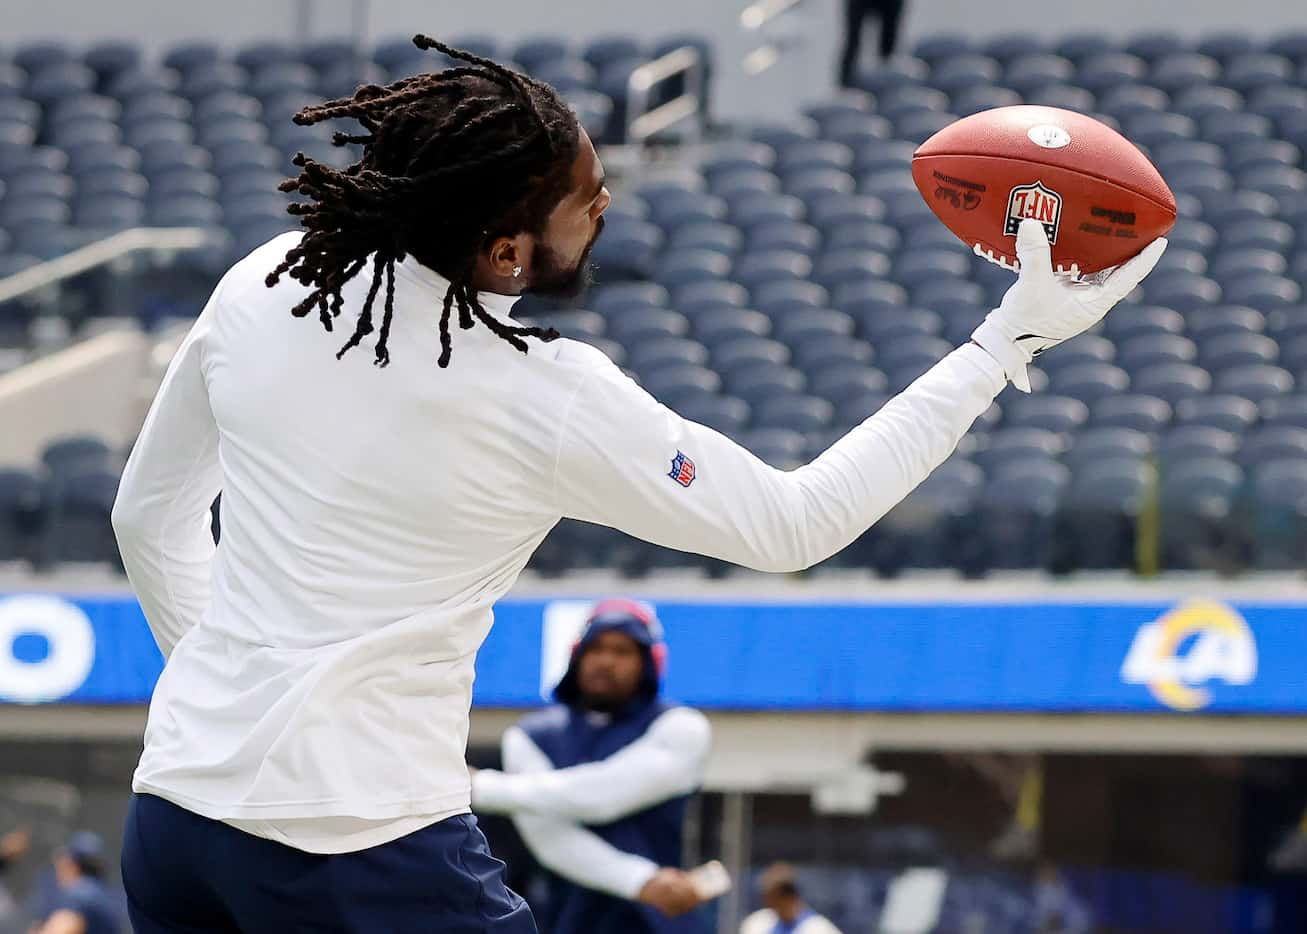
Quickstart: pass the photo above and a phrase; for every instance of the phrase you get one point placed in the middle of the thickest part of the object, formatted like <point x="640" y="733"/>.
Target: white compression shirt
<point x="551" y="806"/>
<point x="319" y="663"/>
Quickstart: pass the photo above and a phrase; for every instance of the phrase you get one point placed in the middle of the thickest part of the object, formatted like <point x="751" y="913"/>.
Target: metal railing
<point x="643" y="122"/>
<point x="102" y="252"/>
<point x="757" y="18"/>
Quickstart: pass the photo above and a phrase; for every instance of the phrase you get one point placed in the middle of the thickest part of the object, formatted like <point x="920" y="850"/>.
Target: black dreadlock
<point x="451" y="161"/>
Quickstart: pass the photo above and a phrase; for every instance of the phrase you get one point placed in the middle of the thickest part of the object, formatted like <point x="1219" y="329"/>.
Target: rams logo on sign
<point x="1190" y="646"/>
<point x="1036" y="202"/>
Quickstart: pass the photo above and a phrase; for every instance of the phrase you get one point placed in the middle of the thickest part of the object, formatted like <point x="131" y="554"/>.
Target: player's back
<point x="370" y="519"/>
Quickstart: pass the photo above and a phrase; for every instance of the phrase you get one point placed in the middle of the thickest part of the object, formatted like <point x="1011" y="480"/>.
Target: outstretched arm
<point x="667" y="761"/>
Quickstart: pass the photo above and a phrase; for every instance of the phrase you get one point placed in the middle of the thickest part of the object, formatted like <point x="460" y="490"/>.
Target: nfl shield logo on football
<point x="682" y="469"/>
<point x="1037" y="202"/>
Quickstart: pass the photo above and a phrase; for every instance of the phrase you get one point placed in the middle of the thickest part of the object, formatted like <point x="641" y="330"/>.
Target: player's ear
<point x="509" y="256"/>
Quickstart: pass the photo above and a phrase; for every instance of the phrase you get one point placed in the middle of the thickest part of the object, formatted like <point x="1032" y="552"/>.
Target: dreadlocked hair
<point x="451" y="160"/>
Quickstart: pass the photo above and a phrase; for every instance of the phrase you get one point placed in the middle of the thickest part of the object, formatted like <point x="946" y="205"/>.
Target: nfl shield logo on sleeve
<point x="682" y="469"/>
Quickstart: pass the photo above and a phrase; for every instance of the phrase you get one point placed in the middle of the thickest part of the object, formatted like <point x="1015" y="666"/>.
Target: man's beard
<point x="551" y="279"/>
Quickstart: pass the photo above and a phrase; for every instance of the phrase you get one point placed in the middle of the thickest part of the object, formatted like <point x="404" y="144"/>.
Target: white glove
<point x="1043" y="309"/>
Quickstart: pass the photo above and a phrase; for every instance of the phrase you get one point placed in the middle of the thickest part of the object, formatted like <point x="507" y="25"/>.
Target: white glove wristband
<point x="994" y="340"/>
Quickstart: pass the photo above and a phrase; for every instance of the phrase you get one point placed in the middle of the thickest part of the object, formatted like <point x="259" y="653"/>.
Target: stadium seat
<point x="1258" y="382"/>
<point x="757" y="382"/>
<point x="1107" y="444"/>
<point x="1096" y="521"/>
<point x="80" y="529"/>
<point x="1088" y="348"/>
<point x="757" y="268"/>
<point x="1228" y="413"/>
<point x="1274" y="442"/>
<point x="819" y="351"/>
<point x="1007" y="445"/>
<point x="1275" y="515"/>
<point x="1146" y="414"/>
<point x="778" y="298"/>
<point x="794" y="329"/>
<point x="1186" y="442"/>
<point x="921" y="531"/>
<point x="877" y="326"/>
<point x="715" y="326"/>
<point x="1059" y="414"/>
<point x="692" y="297"/>
<point x="23" y="514"/>
<point x="789" y="236"/>
<point x="707" y="235"/>
<point x="1141" y="320"/>
<point x="1142" y="351"/>
<point x="1196" y="498"/>
<point x="670" y="382"/>
<point x="721" y="413"/>
<point x="744" y="353"/>
<point x="1227" y="351"/>
<point x="1013" y="522"/>
<point x="804" y="414"/>
<point x="1089" y="382"/>
<point x="614" y="299"/>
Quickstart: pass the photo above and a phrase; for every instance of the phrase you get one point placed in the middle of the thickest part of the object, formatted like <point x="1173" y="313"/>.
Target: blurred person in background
<point x="83" y="903"/>
<point x="784" y="911"/>
<point x="1057" y="909"/>
<point x="13" y="846"/>
<point x="856" y="15"/>
<point x="598" y="783"/>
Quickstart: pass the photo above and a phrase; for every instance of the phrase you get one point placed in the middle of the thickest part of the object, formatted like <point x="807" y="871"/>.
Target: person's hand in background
<point x="671" y="891"/>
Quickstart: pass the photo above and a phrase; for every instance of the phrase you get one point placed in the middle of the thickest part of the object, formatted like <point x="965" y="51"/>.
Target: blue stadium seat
<point x="878" y="325"/>
<point x="628" y="251"/>
<point x="748" y="352"/>
<point x="1191" y="234"/>
<point x="1186" y="442"/>
<point x="793" y="328"/>
<point x="144" y="133"/>
<point x="186" y="56"/>
<point x="1224" y="46"/>
<point x="764" y="208"/>
<point x="1147" y="350"/>
<point x="207" y="79"/>
<point x="23" y="510"/>
<point x="42" y="184"/>
<point x="1084" y="45"/>
<point x="1197" y="497"/>
<point x="106" y="213"/>
<point x="55" y="82"/>
<point x="757" y="268"/>
<point x="184" y="210"/>
<point x="1181" y="291"/>
<point x="1228" y="129"/>
<point x="1142" y="319"/>
<point x="1278" y="101"/>
<point x="858" y="132"/>
<point x="1258" y="382"/>
<point x="858" y="297"/>
<point x="883" y="156"/>
<point x="1089" y="382"/>
<point x="803" y="156"/>
<point x="602" y="50"/>
<point x="567" y="74"/>
<point x="961" y="71"/>
<point x="676" y="208"/>
<point x="1028" y="72"/>
<point x="1251" y="71"/>
<point x="850" y="381"/>
<point x="869" y="235"/>
<point x="1172" y="381"/>
<point x="1151" y="46"/>
<point x="835" y="210"/>
<point x="1131" y="100"/>
<point x="1228" y="351"/>
<point x="1293" y="355"/>
<point x="43" y="240"/>
<point x="1228" y="413"/>
<point x="708" y="235"/>
<point x="1147" y="414"/>
<point x="611" y="300"/>
<point x="1287" y="324"/>
<point x="922" y="530"/>
<point x="533" y="52"/>
<point x="635" y="326"/>
<point x="942" y="46"/>
<point x="326" y="53"/>
<point x="898" y="71"/>
<point x="949" y="293"/>
<point x="1096" y="522"/>
<point x="779" y="447"/>
<point x="1108" y="443"/>
<point x="800" y="413"/>
<point x="1204" y="101"/>
<point x="733" y="155"/>
<point x="790" y="236"/>
<point x="1014" y="519"/>
<point x="1274" y="442"/>
<point x="1060" y="414"/>
<point x="918" y="127"/>
<point x="1276" y="522"/>
<point x="776" y="135"/>
<point x="718" y="325"/>
<point x="776" y="298"/>
<point x="846" y="267"/>
<point x="33" y="209"/>
<point x="346" y="77"/>
<point x="1262" y="290"/>
<point x="579" y="324"/>
<point x="721" y="413"/>
<point x="1007" y="445"/>
<point x="1065" y="96"/>
<point x="669" y="383"/>
<point x="844" y="103"/>
<point x="685" y="266"/>
<point x="1109" y="69"/>
<point x="692" y="297"/>
<point x="820" y="351"/>
<point x="759" y="381"/>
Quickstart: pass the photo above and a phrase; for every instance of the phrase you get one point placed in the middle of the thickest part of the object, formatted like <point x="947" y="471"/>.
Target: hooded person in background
<point x="597" y="784"/>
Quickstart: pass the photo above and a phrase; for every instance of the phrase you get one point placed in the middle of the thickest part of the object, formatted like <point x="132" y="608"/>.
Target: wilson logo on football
<point x="1036" y="202"/>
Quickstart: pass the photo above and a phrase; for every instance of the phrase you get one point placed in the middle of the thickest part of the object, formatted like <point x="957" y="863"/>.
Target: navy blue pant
<point x="186" y="874"/>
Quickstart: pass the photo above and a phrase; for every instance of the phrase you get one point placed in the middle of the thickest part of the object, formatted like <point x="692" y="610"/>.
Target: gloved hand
<point x="1043" y="308"/>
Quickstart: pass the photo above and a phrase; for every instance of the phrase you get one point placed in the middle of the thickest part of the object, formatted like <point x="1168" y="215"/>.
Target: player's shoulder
<point x="579" y="357"/>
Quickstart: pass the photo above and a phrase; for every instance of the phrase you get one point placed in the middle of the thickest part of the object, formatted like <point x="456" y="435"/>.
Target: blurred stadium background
<point x="1080" y="643"/>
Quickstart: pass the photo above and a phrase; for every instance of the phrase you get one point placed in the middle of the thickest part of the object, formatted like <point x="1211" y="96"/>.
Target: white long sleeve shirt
<point x="320" y="661"/>
<point x="550" y="806"/>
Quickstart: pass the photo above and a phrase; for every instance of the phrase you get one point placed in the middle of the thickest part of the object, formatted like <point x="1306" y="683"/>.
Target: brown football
<point x="1099" y="198"/>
